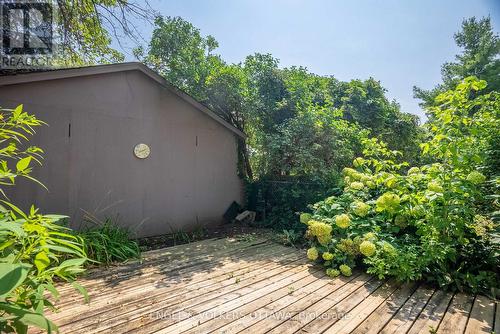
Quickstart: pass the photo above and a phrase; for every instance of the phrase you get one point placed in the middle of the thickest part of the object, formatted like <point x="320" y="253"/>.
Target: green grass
<point x="107" y="242"/>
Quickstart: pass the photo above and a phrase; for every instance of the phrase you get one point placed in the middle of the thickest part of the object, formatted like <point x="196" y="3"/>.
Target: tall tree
<point x="480" y="57"/>
<point x="83" y="30"/>
<point x="365" y="103"/>
<point x="179" y="52"/>
<point x="227" y="94"/>
<point x="185" y="58"/>
<point x="297" y="123"/>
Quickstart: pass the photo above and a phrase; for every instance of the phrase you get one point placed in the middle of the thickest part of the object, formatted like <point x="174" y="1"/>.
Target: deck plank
<point x="497" y="317"/>
<point x="176" y="280"/>
<point x="339" y="311"/>
<point x="206" y="246"/>
<point x="384" y="313"/>
<point x="274" y="308"/>
<point x="357" y="315"/>
<point x="305" y="315"/>
<point x="433" y="312"/>
<point x="257" y="286"/>
<point x="405" y="317"/>
<point x="337" y="287"/>
<point x="141" y="313"/>
<point x="482" y="316"/>
<point x="108" y="288"/>
<point x="138" y="270"/>
<point x="163" y="258"/>
<point x="238" y="314"/>
<point x="169" y="296"/>
<point x="457" y="315"/>
<point x="195" y="315"/>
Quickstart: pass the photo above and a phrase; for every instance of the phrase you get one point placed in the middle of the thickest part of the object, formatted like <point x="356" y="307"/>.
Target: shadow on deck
<point x="253" y="285"/>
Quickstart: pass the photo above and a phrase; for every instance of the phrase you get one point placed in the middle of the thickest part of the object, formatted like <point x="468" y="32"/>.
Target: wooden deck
<point x="252" y="285"/>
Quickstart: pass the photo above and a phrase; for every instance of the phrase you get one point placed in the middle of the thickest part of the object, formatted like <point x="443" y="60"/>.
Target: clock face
<point x="141" y="151"/>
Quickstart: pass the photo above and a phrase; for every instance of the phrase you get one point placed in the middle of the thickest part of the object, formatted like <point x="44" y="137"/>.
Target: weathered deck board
<point x="165" y="284"/>
<point x="224" y="303"/>
<point x="358" y="314"/>
<point x="138" y="270"/>
<point x="405" y="317"/>
<point x="433" y="312"/>
<point x="455" y="319"/>
<point x="262" y="310"/>
<point x="482" y="316"/>
<point x="305" y="316"/>
<point x="497" y="317"/>
<point x="133" y="312"/>
<point x="332" y="315"/>
<point x="383" y="314"/>
<point x="252" y="285"/>
<point x="277" y="317"/>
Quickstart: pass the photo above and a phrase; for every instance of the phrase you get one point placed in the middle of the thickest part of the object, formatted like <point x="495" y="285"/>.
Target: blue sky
<point x="399" y="42"/>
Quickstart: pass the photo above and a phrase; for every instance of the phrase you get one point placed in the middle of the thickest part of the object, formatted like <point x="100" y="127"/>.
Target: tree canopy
<point x="298" y="123"/>
<point x="480" y="57"/>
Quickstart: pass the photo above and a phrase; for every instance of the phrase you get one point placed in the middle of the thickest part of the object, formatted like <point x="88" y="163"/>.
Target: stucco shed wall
<point x="95" y="121"/>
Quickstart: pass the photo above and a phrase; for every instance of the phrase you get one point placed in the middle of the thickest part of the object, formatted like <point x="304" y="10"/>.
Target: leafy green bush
<point x="428" y="222"/>
<point x="34" y="248"/>
<point x="106" y="242"/>
<point x="289" y="238"/>
<point x="283" y="199"/>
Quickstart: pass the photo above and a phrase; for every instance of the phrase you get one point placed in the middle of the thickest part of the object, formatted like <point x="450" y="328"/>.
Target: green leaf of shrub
<point x="11" y="276"/>
<point x="82" y="290"/>
<point x="23" y="164"/>
<point x="73" y="263"/>
<point x="29" y="318"/>
<point x="41" y="261"/>
<point x="17" y="112"/>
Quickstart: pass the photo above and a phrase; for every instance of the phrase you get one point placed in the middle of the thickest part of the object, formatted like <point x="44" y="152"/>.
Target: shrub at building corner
<point x="429" y="222"/>
<point x="34" y="248"/>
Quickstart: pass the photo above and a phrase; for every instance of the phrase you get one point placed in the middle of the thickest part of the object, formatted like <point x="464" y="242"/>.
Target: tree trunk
<point x="246" y="160"/>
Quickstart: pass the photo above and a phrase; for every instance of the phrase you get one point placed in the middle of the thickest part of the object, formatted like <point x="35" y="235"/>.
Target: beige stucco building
<point x="96" y="116"/>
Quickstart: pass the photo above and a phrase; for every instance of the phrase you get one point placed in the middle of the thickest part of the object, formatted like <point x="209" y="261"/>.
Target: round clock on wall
<point x="141" y="151"/>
